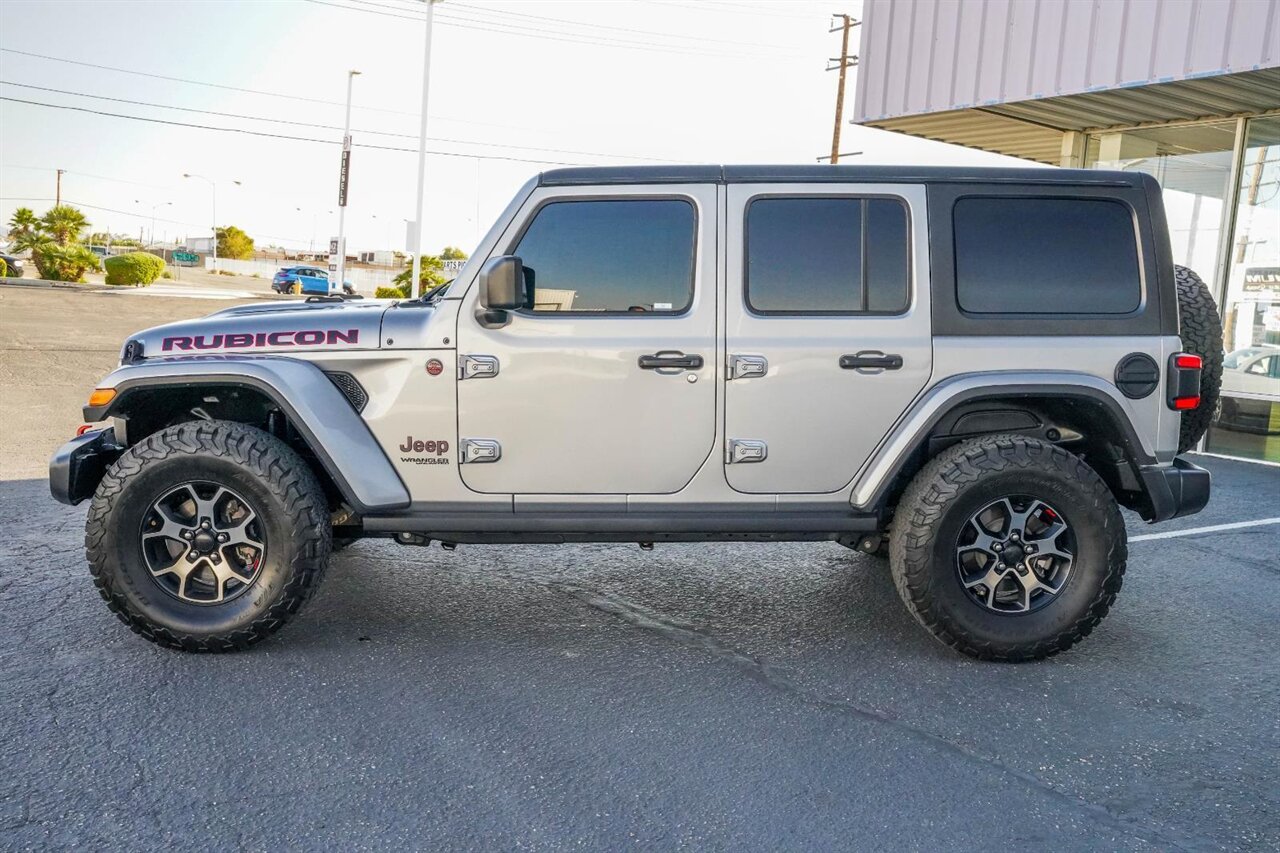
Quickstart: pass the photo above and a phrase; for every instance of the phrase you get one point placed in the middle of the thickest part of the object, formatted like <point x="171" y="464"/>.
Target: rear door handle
<point x="669" y="360"/>
<point x="871" y="359"/>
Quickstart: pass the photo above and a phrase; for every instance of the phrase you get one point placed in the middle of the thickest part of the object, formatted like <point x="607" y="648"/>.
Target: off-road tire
<point x="292" y="509"/>
<point x="1201" y="331"/>
<point x="939" y="501"/>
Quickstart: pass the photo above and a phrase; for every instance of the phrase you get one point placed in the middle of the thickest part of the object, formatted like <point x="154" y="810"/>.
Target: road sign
<point x="343" y="175"/>
<point x="188" y="258"/>
<point x="337" y="248"/>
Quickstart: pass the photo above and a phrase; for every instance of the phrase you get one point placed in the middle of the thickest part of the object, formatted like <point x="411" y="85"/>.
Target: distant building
<point x="1185" y="90"/>
<point x="201" y="245"/>
<point x="381" y="257"/>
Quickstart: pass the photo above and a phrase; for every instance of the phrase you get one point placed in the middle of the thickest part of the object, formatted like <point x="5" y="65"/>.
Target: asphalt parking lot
<point x="732" y="697"/>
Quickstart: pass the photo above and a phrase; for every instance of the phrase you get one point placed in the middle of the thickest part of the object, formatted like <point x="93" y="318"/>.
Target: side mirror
<point x="502" y="285"/>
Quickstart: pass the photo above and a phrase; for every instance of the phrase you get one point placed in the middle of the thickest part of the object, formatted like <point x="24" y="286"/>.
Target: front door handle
<point x="871" y="360"/>
<point x="669" y="360"/>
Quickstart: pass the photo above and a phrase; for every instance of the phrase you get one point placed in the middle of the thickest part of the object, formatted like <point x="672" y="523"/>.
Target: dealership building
<point x="1185" y="90"/>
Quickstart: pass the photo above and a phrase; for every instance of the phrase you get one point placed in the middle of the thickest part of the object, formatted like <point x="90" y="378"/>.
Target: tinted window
<point x="827" y="255"/>
<point x="1045" y="256"/>
<point x="611" y="256"/>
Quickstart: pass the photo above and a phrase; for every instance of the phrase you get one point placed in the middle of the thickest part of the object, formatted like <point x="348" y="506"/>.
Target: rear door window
<point x="1020" y="255"/>
<point x="827" y="256"/>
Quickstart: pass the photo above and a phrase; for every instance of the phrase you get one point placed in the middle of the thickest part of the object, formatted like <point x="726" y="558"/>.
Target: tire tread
<point x="926" y="501"/>
<point x="276" y="465"/>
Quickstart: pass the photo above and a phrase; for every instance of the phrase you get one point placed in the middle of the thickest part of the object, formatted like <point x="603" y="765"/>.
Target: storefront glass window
<point x="1193" y="165"/>
<point x="1247" y="422"/>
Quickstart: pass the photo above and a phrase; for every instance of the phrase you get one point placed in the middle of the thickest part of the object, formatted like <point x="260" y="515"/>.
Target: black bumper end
<point x="77" y="468"/>
<point x="1175" y="491"/>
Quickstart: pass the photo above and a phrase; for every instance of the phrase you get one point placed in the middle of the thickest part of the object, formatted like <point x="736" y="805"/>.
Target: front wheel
<point x="1008" y="548"/>
<point x="208" y="536"/>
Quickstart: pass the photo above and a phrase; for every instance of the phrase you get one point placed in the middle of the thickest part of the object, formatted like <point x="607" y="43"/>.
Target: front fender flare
<point x="314" y="405"/>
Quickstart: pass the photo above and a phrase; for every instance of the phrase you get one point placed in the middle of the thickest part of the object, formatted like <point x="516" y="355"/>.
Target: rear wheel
<point x="1008" y="548"/>
<point x="1201" y="331"/>
<point x="208" y="536"/>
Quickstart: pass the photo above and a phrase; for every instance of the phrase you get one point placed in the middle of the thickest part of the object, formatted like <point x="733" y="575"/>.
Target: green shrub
<point x="225" y="272"/>
<point x="4" y="269"/>
<point x="390" y="293"/>
<point x="133" y="268"/>
<point x="166" y="274"/>
<point x="64" y="263"/>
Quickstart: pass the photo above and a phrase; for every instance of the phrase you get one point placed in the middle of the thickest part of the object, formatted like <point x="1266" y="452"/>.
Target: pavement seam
<point x="776" y="678"/>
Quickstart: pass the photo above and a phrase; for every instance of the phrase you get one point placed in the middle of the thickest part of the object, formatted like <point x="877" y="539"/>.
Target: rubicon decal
<point x="258" y="340"/>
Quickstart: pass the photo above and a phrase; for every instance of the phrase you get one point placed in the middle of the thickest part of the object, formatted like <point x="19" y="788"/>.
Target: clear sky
<point x="534" y="81"/>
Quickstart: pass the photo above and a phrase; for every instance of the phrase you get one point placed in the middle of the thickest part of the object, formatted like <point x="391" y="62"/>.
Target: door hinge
<point x="480" y="450"/>
<point x="477" y="367"/>
<point x="746" y="366"/>
<point x="739" y="450"/>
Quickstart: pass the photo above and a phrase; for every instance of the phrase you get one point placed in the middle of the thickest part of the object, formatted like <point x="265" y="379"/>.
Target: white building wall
<point x="921" y="56"/>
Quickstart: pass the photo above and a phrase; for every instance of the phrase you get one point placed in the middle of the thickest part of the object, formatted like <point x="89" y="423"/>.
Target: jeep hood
<point x="276" y="328"/>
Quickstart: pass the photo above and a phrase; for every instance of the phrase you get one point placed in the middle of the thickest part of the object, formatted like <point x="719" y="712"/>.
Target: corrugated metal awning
<point x="1033" y="129"/>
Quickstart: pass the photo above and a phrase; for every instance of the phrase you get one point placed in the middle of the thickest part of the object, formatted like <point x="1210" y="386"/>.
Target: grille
<point x="1137" y="375"/>
<point x="351" y="389"/>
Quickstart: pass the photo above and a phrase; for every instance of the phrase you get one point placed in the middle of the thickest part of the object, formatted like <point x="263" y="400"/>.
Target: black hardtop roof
<point x="820" y="174"/>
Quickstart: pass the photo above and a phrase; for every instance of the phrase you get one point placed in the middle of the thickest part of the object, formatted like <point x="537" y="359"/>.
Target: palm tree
<point x="65" y="263"/>
<point x="64" y="224"/>
<point x="22" y="223"/>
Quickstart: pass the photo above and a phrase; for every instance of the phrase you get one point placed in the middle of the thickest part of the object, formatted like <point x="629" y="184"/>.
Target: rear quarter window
<point x="1028" y="255"/>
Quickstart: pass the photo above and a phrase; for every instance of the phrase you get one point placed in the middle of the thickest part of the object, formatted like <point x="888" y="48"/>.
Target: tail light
<point x="1184" y="381"/>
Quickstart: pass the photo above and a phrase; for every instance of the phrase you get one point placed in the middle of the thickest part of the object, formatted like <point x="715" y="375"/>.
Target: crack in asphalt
<point x="775" y="678"/>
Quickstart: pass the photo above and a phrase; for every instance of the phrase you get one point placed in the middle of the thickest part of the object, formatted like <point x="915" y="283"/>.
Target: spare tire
<point x="1201" y="333"/>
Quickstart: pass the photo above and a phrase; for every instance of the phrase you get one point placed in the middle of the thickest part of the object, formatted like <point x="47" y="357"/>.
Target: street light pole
<point x="415" y="287"/>
<point x="342" y="193"/>
<point x="151" y="235"/>
<point x="213" y="186"/>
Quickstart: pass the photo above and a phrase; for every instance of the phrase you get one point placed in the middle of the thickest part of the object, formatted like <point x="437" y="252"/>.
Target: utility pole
<point x="58" y="195"/>
<point x="843" y="64"/>
<point x="343" y="178"/>
<point x="415" y="283"/>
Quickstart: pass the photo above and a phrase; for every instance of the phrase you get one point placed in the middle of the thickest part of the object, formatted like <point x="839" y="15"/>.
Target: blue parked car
<point x="313" y="280"/>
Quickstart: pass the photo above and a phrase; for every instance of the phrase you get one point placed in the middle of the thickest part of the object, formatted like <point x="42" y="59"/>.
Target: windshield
<point x="1235" y="358"/>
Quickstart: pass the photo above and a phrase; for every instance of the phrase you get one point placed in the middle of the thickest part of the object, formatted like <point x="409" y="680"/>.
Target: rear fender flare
<point x="314" y="405"/>
<point x="872" y="486"/>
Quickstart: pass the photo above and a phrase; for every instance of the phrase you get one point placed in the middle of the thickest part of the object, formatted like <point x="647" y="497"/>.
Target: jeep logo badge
<point x="435" y="366"/>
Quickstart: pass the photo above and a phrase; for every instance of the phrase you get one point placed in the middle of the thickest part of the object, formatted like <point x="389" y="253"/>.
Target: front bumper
<point x="1176" y="490"/>
<point x="77" y="468"/>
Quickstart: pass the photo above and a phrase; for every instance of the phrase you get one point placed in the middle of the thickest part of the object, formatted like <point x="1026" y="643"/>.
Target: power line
<point x="197" y="82"/>
<point x="283" y="135"/>
<point x="332" y="127"/>
<point x="85" y="175"/>
<point x="282" y="95"/>
<point x="518" y="29"/>
<point x="698" y="38"/>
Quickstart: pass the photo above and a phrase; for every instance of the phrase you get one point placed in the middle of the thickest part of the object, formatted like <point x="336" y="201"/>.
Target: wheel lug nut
<point x="998" y="547"/>
<point x="186" y="534"/>
<point x="192" y="556"/>
<point x="222" y="537"/>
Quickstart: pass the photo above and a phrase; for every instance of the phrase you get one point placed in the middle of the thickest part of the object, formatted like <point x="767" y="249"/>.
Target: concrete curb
<point x="39" y="282"/>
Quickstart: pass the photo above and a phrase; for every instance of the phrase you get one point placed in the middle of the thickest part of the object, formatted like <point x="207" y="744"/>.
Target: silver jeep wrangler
<point x="969" y="370"/>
